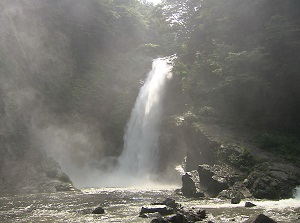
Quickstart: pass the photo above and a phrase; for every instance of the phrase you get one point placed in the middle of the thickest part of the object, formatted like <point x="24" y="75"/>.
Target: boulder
<point x="211" y="181"/>
<point x="177" y="214"/>
<point x="171" y="203"/>
<point x="235" y="200"/>
<point x="161" y="209"/>
<point x="249" y="204"/>
<point x="98" y="210"/>
<point x="237" y="190"/>
<point x="190" y="185"/>
<point x="261" y="218"/>
<point x="159" y="220"/>
<point x="178" y="218"/>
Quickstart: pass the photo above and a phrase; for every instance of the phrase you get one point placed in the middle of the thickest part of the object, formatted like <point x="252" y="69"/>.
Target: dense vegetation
<point x="239" y="64"/>
<point x="78" y="65"/>
<point x="239" y="60"/>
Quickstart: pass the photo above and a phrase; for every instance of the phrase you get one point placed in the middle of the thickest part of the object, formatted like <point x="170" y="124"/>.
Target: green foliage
<point x="77" y="62"/>
<point x="240" y="58"/>
<point x="237" y="61"/>
<point x="241" y="158"/>
<point x="278" y="143"/>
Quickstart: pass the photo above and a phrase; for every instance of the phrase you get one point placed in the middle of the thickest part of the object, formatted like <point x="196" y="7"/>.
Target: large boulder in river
<point x="190" y="185"/>
<point x="98" y="210"/>
<point x="211" y="181"/>
<point x="261" y="218"/>
<point x="161" y="209"/>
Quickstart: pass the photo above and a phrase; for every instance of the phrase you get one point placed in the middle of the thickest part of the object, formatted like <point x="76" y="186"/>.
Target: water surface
<point x="123" y="205"/>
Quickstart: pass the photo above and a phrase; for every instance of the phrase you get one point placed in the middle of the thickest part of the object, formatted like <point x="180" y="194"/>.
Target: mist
<point x="68" y="85"/>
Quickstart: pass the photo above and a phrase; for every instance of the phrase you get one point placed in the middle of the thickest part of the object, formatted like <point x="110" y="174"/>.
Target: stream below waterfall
<point x="124" y="205"/>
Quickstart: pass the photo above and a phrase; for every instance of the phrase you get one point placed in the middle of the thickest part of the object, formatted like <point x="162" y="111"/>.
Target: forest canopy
<point x="79" y="64"/>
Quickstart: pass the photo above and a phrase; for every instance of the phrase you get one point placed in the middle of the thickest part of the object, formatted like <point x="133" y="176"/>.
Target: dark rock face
<point x="190" y="185"/>
<point x="260" y="219"/>
<point x="274" y="181"/>
<point x="258" y="173"/>
<point x="211" y="181"/>
<point x="41" y="175"/>
<point x="178" y="218"/>
<point x="159" y="220"/>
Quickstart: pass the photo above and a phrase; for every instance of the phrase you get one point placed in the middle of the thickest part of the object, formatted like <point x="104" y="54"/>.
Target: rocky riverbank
<point x="171" y="211"/>
<point x="27" y="176"/>
<point x="227" y="162"/>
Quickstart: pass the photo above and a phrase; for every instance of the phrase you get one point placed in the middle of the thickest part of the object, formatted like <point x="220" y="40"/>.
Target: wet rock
<point x="65" y="187"/>
<point x="151" y="215"/>
<point x="159" y="220"/>
<point x="202" y="214"/>
<point x="273" y="181"/>
<point x="260" y="219"/>
<point x="171" y="203"/>
<point x="178" y="218"/>
<point x="177" y="214"/>
<point x="161" y="209"/>
<point x="238" y="190"/>
<point x="235" y="200"/>
<point x="190" y="185"/>
<point x="193" y="215"/>
<point x="249" y="204"/>
<point x="98" y="210"/>
<point x="211" y="181"/>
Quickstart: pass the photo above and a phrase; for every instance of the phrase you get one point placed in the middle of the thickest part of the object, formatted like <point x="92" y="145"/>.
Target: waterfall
<point x="139" y="158"/>
<point x="297" y="193"/>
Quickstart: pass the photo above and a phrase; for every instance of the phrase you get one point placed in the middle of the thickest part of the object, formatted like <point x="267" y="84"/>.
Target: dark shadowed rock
<point x="249" y="204"/>
<point x="178" y="218"/>
<point x="260" y="219"/>
<point x="98" y="210"/>
<point x="273" y="181"/>
<point x="177" y="215"/>
<point x="211" y="181"/>
<point x="235" y="200"/>
<point x="201" y="214"/>
<point x="190" y="185"/>
<point x="171" y="203"/>
<point x="159" y="220"/>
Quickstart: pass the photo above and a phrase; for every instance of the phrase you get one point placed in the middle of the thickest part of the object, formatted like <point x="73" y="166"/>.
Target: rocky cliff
<point x="230" y="163"/>
<point x="24" y="169"/>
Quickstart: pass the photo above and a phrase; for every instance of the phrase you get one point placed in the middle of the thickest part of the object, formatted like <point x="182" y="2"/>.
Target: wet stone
<point x="235" y="200"/>
<point x="249" y="204"/>
<point x="161" y="209"/>
<point x="98" y="210"/>
<point x="261" y="218"/>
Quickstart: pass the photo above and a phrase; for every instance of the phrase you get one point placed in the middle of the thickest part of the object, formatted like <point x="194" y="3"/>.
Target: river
<point x="124" y="205"/>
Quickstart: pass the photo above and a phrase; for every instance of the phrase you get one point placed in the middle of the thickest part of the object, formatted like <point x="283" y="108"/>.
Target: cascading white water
<point x="140" y="152"/>
<point x="297" y="193"/>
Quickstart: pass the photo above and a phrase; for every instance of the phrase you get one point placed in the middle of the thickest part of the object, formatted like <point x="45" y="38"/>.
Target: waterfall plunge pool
<point x="124" y="205"/>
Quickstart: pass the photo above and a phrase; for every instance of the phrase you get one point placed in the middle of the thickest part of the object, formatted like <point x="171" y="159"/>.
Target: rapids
<point x="124" y="205"/>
